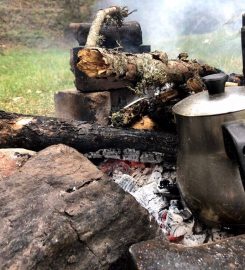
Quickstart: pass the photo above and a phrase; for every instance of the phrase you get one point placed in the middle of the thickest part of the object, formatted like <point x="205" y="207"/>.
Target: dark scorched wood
<point x="38" y="132"/>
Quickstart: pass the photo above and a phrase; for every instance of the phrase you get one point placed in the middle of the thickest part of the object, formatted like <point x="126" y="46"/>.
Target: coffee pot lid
<point x="217" y="100"/>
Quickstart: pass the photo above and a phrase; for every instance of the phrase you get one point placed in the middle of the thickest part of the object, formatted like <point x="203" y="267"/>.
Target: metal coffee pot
<point x="211" y="154"/>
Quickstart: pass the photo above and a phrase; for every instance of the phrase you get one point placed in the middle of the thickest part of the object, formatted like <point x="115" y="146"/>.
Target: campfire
<point x="120" y="121"/>
<point x="160" y="83"/>
<point x="155" y="188"/>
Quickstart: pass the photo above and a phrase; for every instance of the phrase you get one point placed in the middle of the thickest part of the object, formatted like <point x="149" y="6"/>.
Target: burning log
<point x="130" y="114"/>
<point x="143" y="70"/>
<point x="38" y="132"/>
<point x="146" y="106"/>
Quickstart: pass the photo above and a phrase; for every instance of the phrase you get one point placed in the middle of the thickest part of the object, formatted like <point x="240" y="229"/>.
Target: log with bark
<point x="140" y="69"/>
<point x="37" y="132"/>
<point x="143" y="70"/>
<point x="158" y="108"/>
<point x="140" y="72"/>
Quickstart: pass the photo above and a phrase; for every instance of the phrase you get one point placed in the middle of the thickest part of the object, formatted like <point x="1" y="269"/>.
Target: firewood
<point x="129" y="115"/>
<point x="38" y="132"/>
<point x="145" y="123"/>
<point x="143" y="70"/>
<point x="158" y="108"/>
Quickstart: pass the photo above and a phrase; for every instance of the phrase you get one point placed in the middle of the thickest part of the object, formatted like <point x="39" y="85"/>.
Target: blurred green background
<point x="34" y="54"/>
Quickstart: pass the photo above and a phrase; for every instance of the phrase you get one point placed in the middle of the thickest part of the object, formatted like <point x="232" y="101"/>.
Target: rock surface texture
<point x="60" y="212"/>
<point x="160" y="255"/>
<point x="11" y="159"/>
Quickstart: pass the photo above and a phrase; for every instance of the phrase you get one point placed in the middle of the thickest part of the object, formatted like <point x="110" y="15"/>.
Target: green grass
<point x="29" y="78"/>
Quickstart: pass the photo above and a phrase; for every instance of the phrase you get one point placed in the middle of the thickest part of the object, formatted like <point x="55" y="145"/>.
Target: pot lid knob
<point x="215" y="83"/>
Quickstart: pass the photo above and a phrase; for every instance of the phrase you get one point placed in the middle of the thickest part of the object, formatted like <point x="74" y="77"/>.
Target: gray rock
<point x="60" y="212"/>
<point x="158" y="254"/>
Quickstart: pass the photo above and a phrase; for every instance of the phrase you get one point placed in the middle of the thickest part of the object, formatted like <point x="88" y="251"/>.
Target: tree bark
<point x="143" y="69"/>
<point x="154" y="107"/>
<point x="38" y="132"/>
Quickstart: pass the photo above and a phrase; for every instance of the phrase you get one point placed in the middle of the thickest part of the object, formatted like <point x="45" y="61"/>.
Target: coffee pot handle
<point x="234" y="141"/>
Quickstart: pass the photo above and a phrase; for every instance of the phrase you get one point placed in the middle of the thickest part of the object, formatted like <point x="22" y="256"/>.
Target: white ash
<point x="147" y="197"/>
<point x="127" y="154"/>
<point x="156" y="175"/>
<point x="151" y="157"/>
<point x="194" y="239"/>
<point x="141" y="176"/>
<point x="127" y="183"/>
<point x="177" y="222"/>
<point x="155" y="189"/>
<point x="131" y="154"/>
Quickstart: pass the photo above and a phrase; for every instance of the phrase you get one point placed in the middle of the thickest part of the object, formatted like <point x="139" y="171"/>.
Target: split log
<point x="38" y="132"/>
<point x="127" y="116"/>
<point x="158" y="108"/>
<point x="143" y="69"/>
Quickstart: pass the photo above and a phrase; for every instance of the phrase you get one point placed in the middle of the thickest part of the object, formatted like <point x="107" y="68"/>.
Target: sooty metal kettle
<point x="211" y="154"/>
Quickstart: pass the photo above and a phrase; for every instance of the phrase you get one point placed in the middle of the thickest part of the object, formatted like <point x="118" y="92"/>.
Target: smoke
<point x="205" y="29"/>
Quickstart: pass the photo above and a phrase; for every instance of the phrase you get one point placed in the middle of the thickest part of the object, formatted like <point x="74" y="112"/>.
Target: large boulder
<point x="60" y="212"/>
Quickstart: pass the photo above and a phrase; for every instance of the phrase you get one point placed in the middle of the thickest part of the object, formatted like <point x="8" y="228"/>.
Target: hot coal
<point x="155" y="188"/>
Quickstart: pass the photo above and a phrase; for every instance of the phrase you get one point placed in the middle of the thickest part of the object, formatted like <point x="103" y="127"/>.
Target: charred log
<point x="130" y="114"/>
<point x="158" y="108"/>
<point x="238" y="79"/>
<point x="38" y="132"/>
